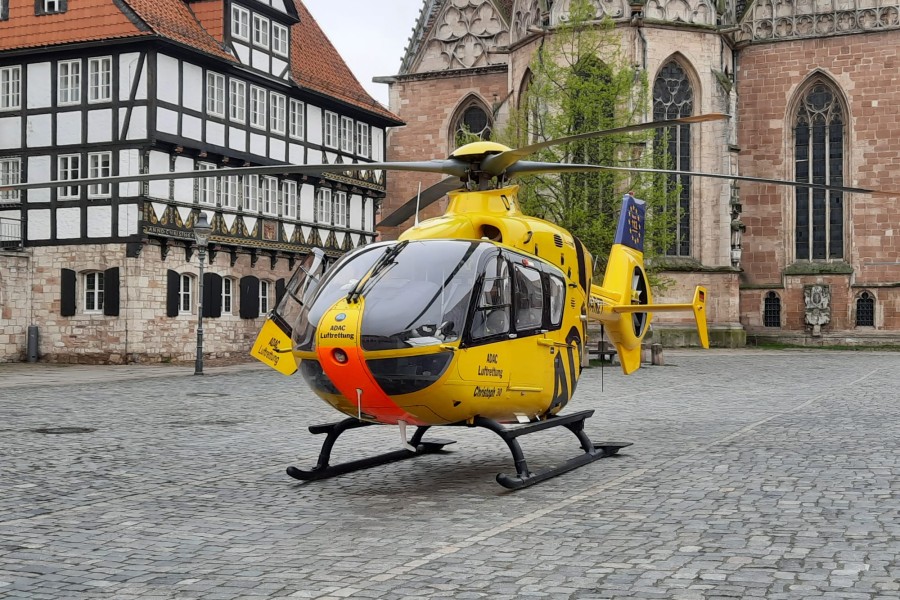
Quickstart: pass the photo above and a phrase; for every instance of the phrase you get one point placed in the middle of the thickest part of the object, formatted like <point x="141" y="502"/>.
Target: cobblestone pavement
<point x="754" y="474"/>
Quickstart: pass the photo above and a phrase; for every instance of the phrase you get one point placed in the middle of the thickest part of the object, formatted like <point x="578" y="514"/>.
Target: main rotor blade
<point x="534" y="168"/>
<point x="428" y="197"/>
<point x="496" y="164"/>
<point x="450" y="166"/>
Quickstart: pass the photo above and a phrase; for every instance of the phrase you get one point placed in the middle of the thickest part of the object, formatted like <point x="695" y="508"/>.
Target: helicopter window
<point x="529" y="298"/>
<point x="422" y="297"/>
<point x="557" y="299"/>
<point x="492" y="314"/>
<point x="340" y="279"/>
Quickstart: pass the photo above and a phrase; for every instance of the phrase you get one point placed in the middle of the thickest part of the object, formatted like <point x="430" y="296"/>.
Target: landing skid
<point x="573" y="422"/>
<point x="523" y="478"/>
<point x="324" y="470"/>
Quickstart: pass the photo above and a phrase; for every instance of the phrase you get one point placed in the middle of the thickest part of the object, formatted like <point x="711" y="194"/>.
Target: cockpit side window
<point x="557" y="299"/>
<point x="492" y="315"/>
<point x="529" y="313"/>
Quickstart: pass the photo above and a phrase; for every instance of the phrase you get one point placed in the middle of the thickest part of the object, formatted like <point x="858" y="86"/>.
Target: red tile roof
<point x="318" y="66"/>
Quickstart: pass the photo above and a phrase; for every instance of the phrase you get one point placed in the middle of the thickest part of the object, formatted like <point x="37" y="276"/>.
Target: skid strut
<point x="324" y="470"/>
<point x="573" y="422"/>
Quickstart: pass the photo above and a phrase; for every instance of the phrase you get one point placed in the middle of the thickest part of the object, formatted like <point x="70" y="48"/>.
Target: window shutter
<point x="212" y="295"/>
<point x="174" y="282"/>
<point x="111" y="292"/>
<point x="249" y="297"/>
<point x="67" y="292"/>
<point x="279" y="291"/>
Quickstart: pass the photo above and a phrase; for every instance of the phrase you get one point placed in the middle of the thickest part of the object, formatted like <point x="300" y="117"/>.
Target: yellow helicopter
<point x="475" y="318"/>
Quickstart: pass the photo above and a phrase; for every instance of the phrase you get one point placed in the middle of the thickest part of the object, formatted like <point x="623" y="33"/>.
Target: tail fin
<point x="624" y="303"/>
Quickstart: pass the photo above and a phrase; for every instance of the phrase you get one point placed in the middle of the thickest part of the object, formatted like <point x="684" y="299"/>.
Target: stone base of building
<point x="720" y="336"/>
<point x="873" y="339"/>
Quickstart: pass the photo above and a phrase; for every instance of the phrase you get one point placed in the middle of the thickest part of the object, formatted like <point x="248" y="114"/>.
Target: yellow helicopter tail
<point x="624" y="303"/>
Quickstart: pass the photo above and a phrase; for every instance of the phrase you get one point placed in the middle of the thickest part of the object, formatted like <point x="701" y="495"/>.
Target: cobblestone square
<point x="753" y="474"/>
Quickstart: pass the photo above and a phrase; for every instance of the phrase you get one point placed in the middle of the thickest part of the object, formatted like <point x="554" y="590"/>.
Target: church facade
<point x="109" y="272"/>
<point x="811" y="88"/>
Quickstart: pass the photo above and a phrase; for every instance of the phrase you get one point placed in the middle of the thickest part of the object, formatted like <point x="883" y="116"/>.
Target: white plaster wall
<point x="159" y="163"/>
<point x="10" y="132"/>
<point x="99" y="221"/>
<point x="243" y="53"/>
<point x="128" y="219"/>
<point x="40" y="88"/>
<point x="129" y="164"/>
<point x="191" y="127"/>
<point x="100" y="127"/>
<point x="184" y="188"/>
<point x="167" y="84"/>
<point x="137" y="127"/>
<point x="68" y="223"/>
<point x="38" y="130"/>
<point x="276" y="149"/>
<point x="68" y="128"/>
<point x="260" y="60"/>
<point x="296" y="154"/>
<point x="215" y="133"/>
<point x="258" y="144"/>
<point x="307" y="202"/>
<point x="167" y="120"/>
<point x="377" y="144"/>
<point x="39" y="172"/>
<point x="237" y="139"/>
<point x="313" y="124"/>
<point x="39" y="224"/>
<point x="355" y="216"/>
<point x="193" y="87"/>
<point x="278" y="66"/>
<point x="128" y="66"/>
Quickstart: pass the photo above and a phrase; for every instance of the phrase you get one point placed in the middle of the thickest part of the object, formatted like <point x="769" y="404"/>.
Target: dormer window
<point x="260" y="31"/>
<point x="4" y="10"/>
<point x="240" y="22"/>
<point x="280" y="39"/>
<point x="50" y="7"/>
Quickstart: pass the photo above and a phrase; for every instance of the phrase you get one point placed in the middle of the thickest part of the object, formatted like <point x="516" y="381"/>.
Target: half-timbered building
<point x="98" y="88"/>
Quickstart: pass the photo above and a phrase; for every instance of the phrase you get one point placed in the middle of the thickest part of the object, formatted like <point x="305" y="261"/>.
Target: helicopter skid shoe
<point x="573" y="422"/>
<point x="324" y="470"/>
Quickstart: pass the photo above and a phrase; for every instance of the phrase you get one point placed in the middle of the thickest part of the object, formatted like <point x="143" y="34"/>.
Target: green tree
<point x="582" y="82"/>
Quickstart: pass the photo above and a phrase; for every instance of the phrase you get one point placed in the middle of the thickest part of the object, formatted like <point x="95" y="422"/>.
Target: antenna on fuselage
<point x="418" y="199"/>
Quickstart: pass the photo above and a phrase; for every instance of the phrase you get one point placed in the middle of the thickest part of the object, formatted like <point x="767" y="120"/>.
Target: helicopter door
<point x="532" y="368"/>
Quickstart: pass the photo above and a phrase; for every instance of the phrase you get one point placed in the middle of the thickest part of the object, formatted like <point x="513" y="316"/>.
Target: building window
<point x="257" y="107"/>
<point x="323" y="206"/>
<point x="228" y="295"/>
<point x="347" y="135"/>
<point x="68" y="166"/>
<point x="68" y="88"/>
<point x="251" y="193"/>
<point x="297" y="123"/>
<point x="10" y="87"/>
<point x="363" y="140"/>
<point x="673" y="97"/>
<point x="280" y="39"/>
<point x="278" y="114"/>
<point x="100" y="79"/>
<point x="240" y="22"/>
<point x="269" y="195"/>
<point x="50" y="7"/>
<point x="230" y="191"/>
<point x="473" y="121"/>
<point x="289" y="191"/>
<point x="4" y="10"/>
<point x="819" y="158"/>
<point x="865" y="310"/>
<point x="215" y="94"/>
<point x="367" y="214"/>
<point x="93" y="292"/>
<point x="238" y="101"/>
<point x="99" y="166"/>
<point x="260" y="31"/>
<point x="340" y="209"/>
<point x="206" y="186"/>
<point x="10" y="174"/>
<point x="772" y="310"/>
<point x="264" y="297"/>
<point x="184" y="294"/>
<point x="332" y="124"/>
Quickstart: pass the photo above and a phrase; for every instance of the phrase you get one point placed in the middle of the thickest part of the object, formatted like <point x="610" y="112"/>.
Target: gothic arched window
<point x="673" y="97"/>
<point x="819" y="158"/>
<point x="472" y="120"/>
<point x="772" y="310"/>
<point x="865" y="310"/>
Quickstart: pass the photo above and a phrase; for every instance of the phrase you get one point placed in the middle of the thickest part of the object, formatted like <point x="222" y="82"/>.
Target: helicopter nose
<point x="342" y="360"/>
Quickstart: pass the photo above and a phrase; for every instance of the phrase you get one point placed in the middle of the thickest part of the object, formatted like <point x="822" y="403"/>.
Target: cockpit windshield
<point x="422" y="297"/>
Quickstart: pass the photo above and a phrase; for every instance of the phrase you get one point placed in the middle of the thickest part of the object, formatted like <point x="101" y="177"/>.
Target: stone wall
<point x="141" y="332"/>
<point x="15" y="294"/>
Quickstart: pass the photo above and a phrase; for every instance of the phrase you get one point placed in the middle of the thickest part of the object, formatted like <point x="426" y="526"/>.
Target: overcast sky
<point x="370" y="35"/>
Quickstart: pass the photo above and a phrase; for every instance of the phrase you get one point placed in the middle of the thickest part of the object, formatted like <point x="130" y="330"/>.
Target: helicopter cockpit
<point x="420" y="293"/>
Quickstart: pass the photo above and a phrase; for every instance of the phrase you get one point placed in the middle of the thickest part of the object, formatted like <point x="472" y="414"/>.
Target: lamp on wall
<point x="202" y="230"/>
